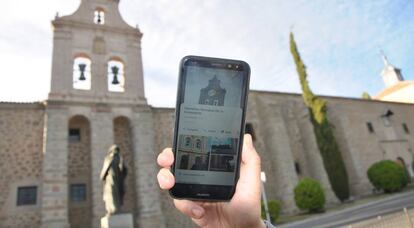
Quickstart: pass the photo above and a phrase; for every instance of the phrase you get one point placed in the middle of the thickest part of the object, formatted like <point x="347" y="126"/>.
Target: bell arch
<point x="82" y="73"/>
<point x="79" y="172"/>
<point x="116" y="75"/>
<point x="123" y="138"/>
<point x="99" y="16"/>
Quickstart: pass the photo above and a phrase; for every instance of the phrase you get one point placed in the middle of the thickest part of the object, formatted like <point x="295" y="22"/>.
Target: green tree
<point x="309" y="195"/>
<point x="328" y="146"/>
<point x="365" y="95"/>
<point x="389" y="176"/>
<point x="274" y="210"/>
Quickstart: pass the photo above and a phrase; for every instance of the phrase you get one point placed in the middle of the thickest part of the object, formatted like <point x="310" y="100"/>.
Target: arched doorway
<point x="402" y="163"/>
<point x="79" y="172"/>
<point x="123" y="138"/>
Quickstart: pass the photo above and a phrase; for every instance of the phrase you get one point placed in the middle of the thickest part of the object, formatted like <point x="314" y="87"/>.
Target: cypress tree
<point x="366" y="96"/>
<point x="327" y="144"/>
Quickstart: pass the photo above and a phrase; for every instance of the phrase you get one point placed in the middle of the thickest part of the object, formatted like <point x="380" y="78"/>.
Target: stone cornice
<point x="298" y="95"/>
<point x="58" y="23"/>
<point x="55" y="103"/>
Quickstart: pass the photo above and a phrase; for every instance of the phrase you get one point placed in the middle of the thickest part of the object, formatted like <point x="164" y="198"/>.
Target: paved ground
<point x="357" y="213"/>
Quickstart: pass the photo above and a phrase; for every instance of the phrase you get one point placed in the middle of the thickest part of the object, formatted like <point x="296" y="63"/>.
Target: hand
<point x="244" y="208"/>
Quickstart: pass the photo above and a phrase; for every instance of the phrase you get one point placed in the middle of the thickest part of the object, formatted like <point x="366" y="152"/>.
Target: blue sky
<point x="340" y="42"/>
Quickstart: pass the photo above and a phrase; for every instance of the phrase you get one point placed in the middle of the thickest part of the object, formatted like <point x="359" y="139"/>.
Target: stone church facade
<point x="52" y="151"/>
<point x="213" y="94"/>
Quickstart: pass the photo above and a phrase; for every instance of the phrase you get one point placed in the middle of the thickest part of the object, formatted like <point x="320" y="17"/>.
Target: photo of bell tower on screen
<point x="213" y="94"/>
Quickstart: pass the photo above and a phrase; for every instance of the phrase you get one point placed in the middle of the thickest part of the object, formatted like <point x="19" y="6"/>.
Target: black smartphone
<point x="209" y="127"/>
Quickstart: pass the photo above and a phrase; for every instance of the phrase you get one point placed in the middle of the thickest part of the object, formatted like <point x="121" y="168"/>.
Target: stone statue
<point x="113" y="174"/>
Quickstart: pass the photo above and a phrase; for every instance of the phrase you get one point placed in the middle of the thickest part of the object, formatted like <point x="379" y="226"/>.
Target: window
<point x="297" y="168"/>
<point x="198" y="143"/>
<point x="249" y="130"/>
<point x="82" y="73"/>
<point x="99" y="18"/>
<point x="184" y="161"/>
<point x="26" y="195"/>
<point x="405" y="127"/>
<point x="74" y="135"/>
<point x="370" y="127"/>
<point x="223" y="163"/>
<point x="187" y="142"/>
<point x="78" y="192"/>
<point x="116" y="77"/>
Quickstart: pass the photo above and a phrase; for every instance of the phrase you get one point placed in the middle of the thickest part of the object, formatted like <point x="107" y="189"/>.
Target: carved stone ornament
<point x="99" y="46"/>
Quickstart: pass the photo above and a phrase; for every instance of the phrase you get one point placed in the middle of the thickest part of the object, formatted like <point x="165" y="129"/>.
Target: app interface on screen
<point x="209" y="126"/>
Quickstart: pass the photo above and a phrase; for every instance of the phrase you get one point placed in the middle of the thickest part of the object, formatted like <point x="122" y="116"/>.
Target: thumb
<point x="249" y="180"/>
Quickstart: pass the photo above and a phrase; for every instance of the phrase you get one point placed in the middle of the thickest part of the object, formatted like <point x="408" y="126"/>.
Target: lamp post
<point x="264" y="198"/>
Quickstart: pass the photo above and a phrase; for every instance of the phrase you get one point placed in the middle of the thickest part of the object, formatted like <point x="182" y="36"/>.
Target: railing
<point x="404" y="219"/>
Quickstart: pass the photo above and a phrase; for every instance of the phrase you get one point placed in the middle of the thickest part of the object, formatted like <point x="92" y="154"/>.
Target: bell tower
<point x="96" y="99"/>
<point x="96" y="56"/>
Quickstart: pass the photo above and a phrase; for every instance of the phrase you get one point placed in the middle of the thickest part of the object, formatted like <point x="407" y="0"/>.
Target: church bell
<point x="99" y="20"/>
<point x="115" y="71"/>
<point x="82" y="68"/>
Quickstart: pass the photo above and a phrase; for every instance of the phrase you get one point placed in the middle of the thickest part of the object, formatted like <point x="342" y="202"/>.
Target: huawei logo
<point x="203" y="194"/>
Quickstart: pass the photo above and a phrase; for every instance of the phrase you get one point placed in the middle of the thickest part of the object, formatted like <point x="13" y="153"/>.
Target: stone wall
<point x="79" y="172"/>
<point x="360" y="148"/>
<point x="21" y="130"/>
<point x="284" y="135"/>
<point x="164" y="125"/>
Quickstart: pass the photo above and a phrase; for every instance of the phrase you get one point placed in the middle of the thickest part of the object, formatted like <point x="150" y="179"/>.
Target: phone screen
<point x="210" y="123"/>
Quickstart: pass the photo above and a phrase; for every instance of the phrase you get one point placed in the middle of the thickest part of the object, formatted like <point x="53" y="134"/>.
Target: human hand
<point x="244" y="208"/>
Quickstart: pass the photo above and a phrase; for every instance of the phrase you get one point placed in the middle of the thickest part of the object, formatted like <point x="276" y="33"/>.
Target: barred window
<point x="78" y="192"/>
<point x="26" y="195"/>
<point x="74" y="135"/>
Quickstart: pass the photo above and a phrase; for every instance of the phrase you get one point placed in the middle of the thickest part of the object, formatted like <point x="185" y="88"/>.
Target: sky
<point x="339" y="40"/>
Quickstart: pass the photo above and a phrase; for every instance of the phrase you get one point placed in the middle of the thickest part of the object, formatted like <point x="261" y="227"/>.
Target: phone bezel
<point x="201" y="191"/>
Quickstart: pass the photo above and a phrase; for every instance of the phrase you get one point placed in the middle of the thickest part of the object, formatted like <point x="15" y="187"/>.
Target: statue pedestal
<point x="118" y="221"/>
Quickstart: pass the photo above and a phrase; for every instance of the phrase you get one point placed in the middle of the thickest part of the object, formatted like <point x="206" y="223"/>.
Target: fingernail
<point x="197" y="212"/>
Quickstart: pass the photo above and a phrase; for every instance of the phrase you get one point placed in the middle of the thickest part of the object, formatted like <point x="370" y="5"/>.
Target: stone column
<point x="282" y="178"/>
<point x="102" y="137"/>
<point x="358" y="181"/>
<point x="55" y="169"/>
<point x="148" y="193"/>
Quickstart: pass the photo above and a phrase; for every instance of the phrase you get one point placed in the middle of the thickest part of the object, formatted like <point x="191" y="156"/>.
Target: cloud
<point x="338" y="40"/>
